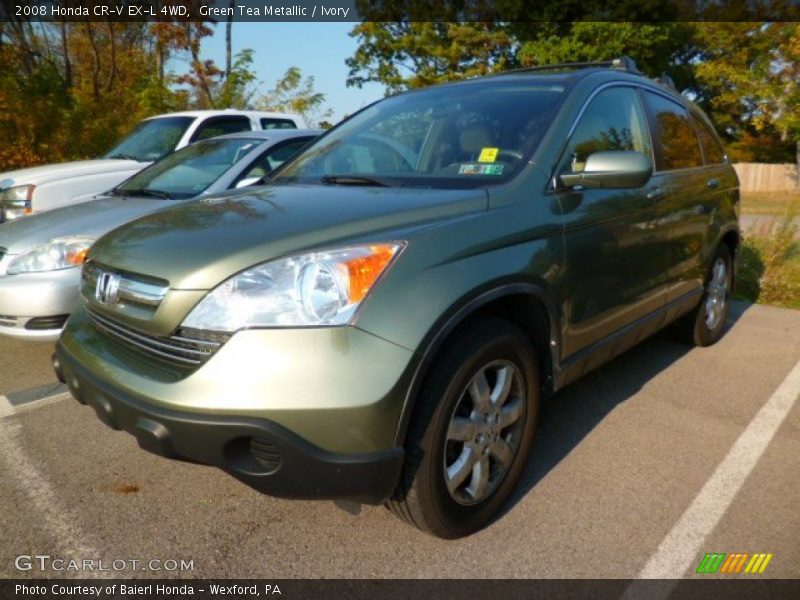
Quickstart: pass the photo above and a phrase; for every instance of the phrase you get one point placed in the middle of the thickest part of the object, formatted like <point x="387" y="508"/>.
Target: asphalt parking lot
<point x="639" y="469"/>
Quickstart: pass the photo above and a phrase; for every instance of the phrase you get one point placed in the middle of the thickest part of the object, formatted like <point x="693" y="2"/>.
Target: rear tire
<point x="705" y="324"/>
<point x="471" y="431"/>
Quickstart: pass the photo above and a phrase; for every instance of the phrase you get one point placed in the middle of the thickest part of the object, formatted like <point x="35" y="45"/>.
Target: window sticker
<point x="493" y="169"/>
<point x="488" y="155"/>
<point x="476" y="169"/>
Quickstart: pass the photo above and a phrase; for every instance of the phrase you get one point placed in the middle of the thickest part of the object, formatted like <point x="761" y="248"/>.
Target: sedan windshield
<point x="461" y="136"/>
<point x="189" y="171"/>
<point x="152" y="139"/>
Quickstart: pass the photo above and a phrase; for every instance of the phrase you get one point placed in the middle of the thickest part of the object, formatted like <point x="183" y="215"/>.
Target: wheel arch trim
<point x="460" y="311"/>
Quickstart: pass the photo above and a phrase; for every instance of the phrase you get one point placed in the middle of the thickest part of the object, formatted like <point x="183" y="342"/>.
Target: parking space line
<point x="678" y="550"/>
<point x="54" y="518"/>
<point x="37" y="393"/>
<point x="6" y="408"/>
<point x="39" y="403"/>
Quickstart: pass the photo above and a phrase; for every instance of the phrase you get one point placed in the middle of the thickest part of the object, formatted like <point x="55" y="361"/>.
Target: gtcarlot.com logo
<point x="45" y="562"/>
<point x="743" y="562"/>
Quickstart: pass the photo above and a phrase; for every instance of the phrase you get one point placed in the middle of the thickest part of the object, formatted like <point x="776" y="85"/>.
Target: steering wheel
<point x="404" y="166"/>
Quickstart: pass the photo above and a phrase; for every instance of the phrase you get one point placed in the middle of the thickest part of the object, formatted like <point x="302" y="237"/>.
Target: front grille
<point x="8" y="321"/>
<point x="44" y="323"/>
<point x="186" y="348"/>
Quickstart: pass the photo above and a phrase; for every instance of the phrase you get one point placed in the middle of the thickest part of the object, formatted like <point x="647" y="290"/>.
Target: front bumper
<point x="259" y="452"/>
<point x="31" y="302"/>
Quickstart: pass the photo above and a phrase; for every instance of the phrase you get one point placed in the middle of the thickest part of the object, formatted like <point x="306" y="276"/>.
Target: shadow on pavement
<point x="570" y="415"/>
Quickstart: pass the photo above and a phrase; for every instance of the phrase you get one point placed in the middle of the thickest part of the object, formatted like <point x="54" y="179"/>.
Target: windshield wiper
<point x="352" y="180"/>
<point x="125" y="157"/>
<point x="142" y="192"/>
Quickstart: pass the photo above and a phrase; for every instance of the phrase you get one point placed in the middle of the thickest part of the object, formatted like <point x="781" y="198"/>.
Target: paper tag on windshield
<point x="488" y="155"/>
<point x="476" y="169"/>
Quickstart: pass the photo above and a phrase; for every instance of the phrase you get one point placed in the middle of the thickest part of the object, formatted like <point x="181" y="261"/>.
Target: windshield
<point x="191" y="170"/>
<point x="152" y="139"/>
<point x="463" y="135"/>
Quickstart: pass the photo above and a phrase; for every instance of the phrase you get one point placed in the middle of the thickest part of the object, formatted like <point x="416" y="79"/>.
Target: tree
<point x="746" y="75"/>
<point x="751" y="72"/>
<point x="656" y="47"/>
<point x="403" y="55"/>
<point x="71" y="89"/>
<point x="292" y="93"/>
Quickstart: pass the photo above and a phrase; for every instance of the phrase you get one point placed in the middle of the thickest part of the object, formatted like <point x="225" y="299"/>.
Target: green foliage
<point x="770" y="268"/>
<point x="657" y="47"/>
<point x="404" y="55"/>
<point x="235" y="91"/>
<point x="750" y="75"/>
<point x="292" y="93"/>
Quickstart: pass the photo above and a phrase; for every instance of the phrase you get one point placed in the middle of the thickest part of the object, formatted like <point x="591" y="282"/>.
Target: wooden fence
<point x="760" y="177"/>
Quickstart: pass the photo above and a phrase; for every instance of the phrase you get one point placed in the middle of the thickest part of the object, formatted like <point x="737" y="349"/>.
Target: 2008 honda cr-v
<point x="381" y="322"/>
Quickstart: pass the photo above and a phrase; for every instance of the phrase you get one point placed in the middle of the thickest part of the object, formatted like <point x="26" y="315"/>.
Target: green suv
<point x="381" y="322"/>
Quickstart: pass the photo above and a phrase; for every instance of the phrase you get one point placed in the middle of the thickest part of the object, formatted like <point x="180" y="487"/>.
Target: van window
<point x="613" y="120"/>
<point x="674" y="137"/>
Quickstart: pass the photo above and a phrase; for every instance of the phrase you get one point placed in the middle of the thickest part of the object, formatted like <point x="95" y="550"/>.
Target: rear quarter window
<point x="712" y="149"/>
<point x="674" y="137"/>
<point x="273" y="123"/>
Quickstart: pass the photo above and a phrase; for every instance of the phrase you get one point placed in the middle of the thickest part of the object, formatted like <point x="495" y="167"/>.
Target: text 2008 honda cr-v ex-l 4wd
<point x="382" y="322"/>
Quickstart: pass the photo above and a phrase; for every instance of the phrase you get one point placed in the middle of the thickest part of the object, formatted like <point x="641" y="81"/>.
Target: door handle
<point x="712" y="183"/>
<point x="656" y="195"/>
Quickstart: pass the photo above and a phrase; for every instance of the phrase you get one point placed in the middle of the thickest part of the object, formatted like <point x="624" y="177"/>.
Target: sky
<point x="318" y="49"/>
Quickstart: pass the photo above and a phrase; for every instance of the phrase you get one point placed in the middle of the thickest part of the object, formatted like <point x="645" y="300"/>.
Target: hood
<point x="78" y="168"/>
<point x="198" y="245"/>
<point x="90" y="219"/>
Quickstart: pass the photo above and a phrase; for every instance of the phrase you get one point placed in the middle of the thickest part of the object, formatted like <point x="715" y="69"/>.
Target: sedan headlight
<point x="61" y="253"/>
<point x="15" y="202"/>
<point x="305" y="290"/>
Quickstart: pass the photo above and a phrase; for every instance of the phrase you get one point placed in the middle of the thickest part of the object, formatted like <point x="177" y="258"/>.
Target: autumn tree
<point x="751" y="76"/>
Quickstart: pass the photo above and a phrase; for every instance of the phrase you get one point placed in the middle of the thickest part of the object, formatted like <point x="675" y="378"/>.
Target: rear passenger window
<point x="220" y="126"/>
<point x="613" y="120"/>
<point x="674" y="137"/>
<point x="712" y="149"/>
<point x="270" y="123"/>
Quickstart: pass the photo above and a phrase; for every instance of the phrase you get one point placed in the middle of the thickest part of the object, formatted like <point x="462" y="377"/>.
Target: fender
<point x="458" y="313"/>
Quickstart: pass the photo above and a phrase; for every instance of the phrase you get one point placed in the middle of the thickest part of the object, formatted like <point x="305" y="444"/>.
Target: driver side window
<point x="613" y="120"/>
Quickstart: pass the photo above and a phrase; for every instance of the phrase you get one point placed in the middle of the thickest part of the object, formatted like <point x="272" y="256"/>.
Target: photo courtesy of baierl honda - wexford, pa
<point x="382" y="322"/>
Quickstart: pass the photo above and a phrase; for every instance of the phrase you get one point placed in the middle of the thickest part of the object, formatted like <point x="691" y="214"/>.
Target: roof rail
<point x="666" y="80"/>
<point x="624" y="63"/>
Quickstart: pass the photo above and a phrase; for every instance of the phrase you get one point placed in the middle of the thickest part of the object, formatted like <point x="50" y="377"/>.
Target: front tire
<point x="471" y="431"/>
<point x="705" y="324"/>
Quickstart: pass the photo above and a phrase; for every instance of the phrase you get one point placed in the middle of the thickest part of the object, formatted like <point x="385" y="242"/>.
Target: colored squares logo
<point x="720" y="562"/>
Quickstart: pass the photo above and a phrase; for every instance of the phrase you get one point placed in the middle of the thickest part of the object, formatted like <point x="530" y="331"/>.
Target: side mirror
<point x="612" y="169"/>
<point x="248" y="181"/>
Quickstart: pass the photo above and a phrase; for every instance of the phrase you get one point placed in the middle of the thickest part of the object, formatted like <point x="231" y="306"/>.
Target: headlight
<point x="305" y="290"/>
<point x="16" y="202"/>
<point x="61" y="253"/>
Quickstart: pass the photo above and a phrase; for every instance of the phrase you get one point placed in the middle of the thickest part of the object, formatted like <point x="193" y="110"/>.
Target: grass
<point x="770" y="267"/>
<point x="777" y="204"/>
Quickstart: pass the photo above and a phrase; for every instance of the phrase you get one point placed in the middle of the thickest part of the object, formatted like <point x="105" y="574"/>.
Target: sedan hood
<point x="90" y="219"/>
<point x="79" y="168"/>
<point x="198" y="245"/>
